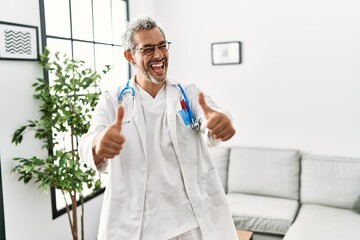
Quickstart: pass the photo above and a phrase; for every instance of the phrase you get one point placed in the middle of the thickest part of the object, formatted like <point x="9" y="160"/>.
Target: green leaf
<point x="28" y="168"/>
<point x="97" y="184"/>
<point x="44" y="187"/>
<point x="18" y="135"/>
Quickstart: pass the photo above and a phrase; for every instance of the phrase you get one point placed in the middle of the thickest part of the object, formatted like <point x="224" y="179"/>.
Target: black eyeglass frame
<point x="149" y="49"/>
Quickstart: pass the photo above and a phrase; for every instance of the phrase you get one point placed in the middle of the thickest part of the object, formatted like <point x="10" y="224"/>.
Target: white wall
<point x="27" y="211"/>
<point x="299" y="83"/>
<point x="141" y="8"/>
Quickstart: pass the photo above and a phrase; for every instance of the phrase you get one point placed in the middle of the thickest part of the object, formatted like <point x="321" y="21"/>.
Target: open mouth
<point x="158" y="67"/>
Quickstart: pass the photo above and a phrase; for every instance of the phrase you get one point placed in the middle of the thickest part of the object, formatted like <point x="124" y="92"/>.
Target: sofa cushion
<point x="262" y="214"/>
<point x="262" y="171"/>
<point x="316" y="222"/>
<point x="220" y="157"/>
<point x="330" y="181"/>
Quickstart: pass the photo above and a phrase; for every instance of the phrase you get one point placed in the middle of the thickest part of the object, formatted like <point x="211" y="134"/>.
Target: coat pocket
<point x="214" y="187"/>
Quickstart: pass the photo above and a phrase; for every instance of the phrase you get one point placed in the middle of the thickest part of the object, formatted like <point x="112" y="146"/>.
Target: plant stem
<point x="74" y="212"/>
<point x="69" y="217"/>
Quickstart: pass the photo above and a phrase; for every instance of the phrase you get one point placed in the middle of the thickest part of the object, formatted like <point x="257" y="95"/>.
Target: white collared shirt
<point x="168" y="211"/>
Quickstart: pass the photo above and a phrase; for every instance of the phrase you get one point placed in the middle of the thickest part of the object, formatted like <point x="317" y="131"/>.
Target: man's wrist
<point x="97" y="159"/>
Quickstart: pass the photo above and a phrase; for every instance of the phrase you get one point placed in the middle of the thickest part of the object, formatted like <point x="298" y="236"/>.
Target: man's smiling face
<point x="151" y="67"/>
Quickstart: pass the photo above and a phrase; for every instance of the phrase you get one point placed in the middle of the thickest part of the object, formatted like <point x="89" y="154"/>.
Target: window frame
<point x="55" y="212"/>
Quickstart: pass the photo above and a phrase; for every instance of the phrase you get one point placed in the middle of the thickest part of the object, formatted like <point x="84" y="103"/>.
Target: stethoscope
<point x="185" y="112"/>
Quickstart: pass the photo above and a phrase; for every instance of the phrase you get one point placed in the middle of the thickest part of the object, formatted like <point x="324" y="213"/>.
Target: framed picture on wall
<point x="18" y="42"/>
<point x="223" y="53"/>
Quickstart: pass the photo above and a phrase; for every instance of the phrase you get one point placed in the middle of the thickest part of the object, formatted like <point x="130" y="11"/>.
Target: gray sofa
<point x="282" y="194"/>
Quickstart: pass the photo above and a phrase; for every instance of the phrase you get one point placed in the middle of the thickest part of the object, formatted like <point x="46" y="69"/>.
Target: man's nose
<point x="158" y="52"/>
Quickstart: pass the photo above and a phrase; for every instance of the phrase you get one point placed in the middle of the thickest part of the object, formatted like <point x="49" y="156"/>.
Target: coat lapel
<point x="138" y="117"/>
<point x="172" y="98"/>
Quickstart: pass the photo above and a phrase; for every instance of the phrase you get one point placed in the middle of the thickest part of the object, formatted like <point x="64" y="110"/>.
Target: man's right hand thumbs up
<point x="119" y="117"/>
<point x="109" y="142"/>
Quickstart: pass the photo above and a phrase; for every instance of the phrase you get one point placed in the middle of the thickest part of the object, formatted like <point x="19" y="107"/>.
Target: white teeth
<point x="157" y="65"/>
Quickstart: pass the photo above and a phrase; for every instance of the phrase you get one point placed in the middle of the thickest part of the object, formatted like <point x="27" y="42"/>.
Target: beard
<point x="147" y="74"/>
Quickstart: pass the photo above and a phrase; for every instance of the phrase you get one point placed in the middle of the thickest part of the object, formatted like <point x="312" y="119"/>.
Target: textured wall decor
<point x="18" y="42"/>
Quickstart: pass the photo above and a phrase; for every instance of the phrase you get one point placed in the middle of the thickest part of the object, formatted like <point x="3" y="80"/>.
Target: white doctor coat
<point x="124" y="198"/>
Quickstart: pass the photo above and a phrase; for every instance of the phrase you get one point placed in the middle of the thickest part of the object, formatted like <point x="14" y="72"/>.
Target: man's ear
<point x="128" y="55"/>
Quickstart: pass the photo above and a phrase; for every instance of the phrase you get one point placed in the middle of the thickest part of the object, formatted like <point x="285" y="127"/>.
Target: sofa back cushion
<point x="220" y="157"/>
<point x="264" y="171"/>
<point x="331" y="181"/>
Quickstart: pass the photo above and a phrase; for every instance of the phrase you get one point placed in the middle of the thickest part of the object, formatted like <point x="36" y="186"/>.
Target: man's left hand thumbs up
<point x="218" y="123"/>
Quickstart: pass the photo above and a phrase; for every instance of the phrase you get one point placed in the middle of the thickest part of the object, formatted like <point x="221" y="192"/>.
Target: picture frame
<point x="225" y="53"/>
<point x="18" y="42"/>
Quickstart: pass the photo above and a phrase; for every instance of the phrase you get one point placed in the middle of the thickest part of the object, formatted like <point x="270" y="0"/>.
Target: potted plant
<point x="66" y="105"/>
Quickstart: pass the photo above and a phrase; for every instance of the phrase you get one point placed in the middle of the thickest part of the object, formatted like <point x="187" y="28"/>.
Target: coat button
<point x="138" y="209"/>
<point x="142" y="170"/>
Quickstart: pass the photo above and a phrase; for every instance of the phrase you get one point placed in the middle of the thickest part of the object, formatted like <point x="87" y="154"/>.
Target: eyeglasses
<point x="149" y="49"/>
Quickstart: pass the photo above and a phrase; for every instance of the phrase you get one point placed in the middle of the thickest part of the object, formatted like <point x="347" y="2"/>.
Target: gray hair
<point x="133" y="27"/>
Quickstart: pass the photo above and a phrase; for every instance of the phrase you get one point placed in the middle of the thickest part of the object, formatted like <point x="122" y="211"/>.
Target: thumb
<point x="119" y="117"/>
<point x="205" y="108"/>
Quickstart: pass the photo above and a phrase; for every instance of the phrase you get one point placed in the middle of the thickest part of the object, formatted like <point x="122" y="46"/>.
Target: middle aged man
<point x="148" y="135"/>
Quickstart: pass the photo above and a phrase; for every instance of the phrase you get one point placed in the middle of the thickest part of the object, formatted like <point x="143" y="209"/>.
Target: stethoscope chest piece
<point x="195" y="125"/>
